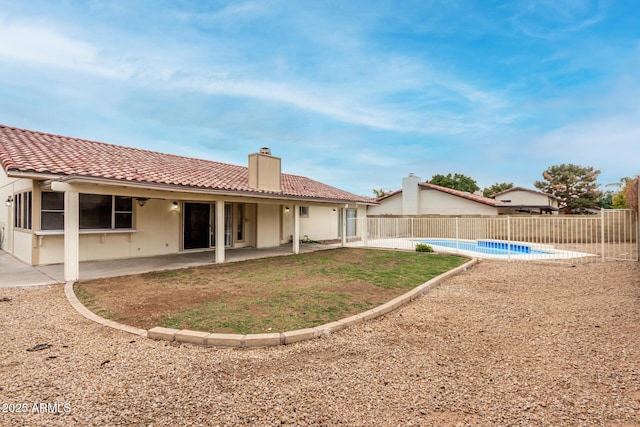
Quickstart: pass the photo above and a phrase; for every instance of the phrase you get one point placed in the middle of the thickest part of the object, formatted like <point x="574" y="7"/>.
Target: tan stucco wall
<point x="527" y="198"/>
<point x="389" y="206"/>
<point x="6" y="189"/>
<point x="322" y="223"/>
<point x="18" y="245"/>
<point x="435" y="202"/>
<point x="22" y="245"/>
<point x="268" y="221"/>
<point x="264" y="172"/>
<point x="158" y="228"/>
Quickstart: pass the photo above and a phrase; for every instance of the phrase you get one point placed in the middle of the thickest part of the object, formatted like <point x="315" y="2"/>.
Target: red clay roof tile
<point x="23" y="150"/>
<point x="463" y="194"/>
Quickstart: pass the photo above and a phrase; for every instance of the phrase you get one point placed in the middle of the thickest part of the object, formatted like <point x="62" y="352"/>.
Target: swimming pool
<point x="492" y="247"/>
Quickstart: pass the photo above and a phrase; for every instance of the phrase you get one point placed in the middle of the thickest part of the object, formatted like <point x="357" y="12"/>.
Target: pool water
<point x="484" y="246"/>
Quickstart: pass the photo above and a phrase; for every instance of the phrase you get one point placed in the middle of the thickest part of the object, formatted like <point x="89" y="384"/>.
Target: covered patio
<point x="17" y="273"/>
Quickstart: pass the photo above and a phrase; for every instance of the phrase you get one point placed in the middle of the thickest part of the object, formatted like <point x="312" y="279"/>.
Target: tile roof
<point x="463" y="194"/>
<point x="493" y="196"/>
<point x="28" y="151"/>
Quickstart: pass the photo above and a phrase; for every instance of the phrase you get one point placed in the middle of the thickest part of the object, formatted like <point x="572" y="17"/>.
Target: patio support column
<point x="71" y="235"/>
<point x="343" y="241"/>
<point x="364" y="229"/>
<point x="219" y="231"/>
<point x="296" y="229"/>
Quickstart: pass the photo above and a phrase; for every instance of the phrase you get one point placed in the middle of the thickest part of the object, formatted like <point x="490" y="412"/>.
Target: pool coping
<point x="268" y="339"/>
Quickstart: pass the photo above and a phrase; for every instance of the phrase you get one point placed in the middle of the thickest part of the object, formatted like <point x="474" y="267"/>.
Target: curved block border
<point x="264" y="340"/>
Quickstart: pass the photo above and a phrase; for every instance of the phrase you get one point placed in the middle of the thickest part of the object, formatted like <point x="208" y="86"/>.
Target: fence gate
<point x="613" y="234"/>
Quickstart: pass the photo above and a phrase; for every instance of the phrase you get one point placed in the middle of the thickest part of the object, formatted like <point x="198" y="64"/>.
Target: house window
<point x="304" y="211"/>
<point x="103" y="212"/>
<point x="96" y="211"/>
<point x="123" y="213"/>
<point x="17" y="210"/>
<point x="52" y="211"/>
<point x="22" y="210"/>
<point x="240" y="224"/>
<point x="26" y="209"/>
<point x="351" y="221"/>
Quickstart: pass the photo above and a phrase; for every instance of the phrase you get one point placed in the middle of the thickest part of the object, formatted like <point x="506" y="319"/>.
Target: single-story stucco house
<point x="423" y="198"/>
<point x="68" y="200"/>
<point x="524" y="200"/>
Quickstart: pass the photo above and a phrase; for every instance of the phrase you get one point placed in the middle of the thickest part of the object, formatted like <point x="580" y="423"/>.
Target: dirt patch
<point x="274" y="294"/>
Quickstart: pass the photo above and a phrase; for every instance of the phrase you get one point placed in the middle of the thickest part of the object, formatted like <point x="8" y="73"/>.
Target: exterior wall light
<point x="286" y="209"/>
<point x="141" y="201"/>
<point x="9" y="201"/>
<point x="174" y="206"/>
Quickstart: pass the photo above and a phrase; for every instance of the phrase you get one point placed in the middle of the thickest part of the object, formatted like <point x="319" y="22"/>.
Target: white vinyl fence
<point x="611" y="235"/>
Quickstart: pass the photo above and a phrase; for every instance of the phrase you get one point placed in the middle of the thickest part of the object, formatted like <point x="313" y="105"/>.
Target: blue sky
<point x="356" y="94"/>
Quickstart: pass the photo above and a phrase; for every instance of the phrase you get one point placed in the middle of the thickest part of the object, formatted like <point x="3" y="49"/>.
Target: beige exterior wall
<point x="268" y="225"/>
<point x="389" y="206"/>
<point x="435" y="202"/>
<point x="518" y="197"/>
<point x="264" y="172"/>
<point x="14" y="239"/>
<point x="157" y="227"/>
<point x="6" y="189"/>
<point x="22" y="245"/>
<point x="320" y="224"/>
<point x="157" y="232"/>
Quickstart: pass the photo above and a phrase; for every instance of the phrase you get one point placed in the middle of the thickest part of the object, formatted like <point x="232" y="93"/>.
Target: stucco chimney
<point x="265" y="170"/>
<point x="410" y="195"/>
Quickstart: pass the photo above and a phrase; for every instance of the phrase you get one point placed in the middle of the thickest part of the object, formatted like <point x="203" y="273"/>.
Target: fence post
<point x="508" y="238"/>
<point x="457" y="234"/>
<point x="412" y="236"/>
<point x="637" y="222"/>
<point x="602" y="232"/>
<point x="365" y="231"/>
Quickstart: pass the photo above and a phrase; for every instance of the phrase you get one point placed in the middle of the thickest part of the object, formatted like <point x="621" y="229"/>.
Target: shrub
<point x="421" y="247"/>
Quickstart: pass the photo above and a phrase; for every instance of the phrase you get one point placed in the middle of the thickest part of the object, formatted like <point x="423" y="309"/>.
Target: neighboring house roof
<point x="25" y="151"/>
<point x="458" y="193"/>
<point x="493" y="196"/>
<point x="463" y="194"/>
<point x="386" y="196"/>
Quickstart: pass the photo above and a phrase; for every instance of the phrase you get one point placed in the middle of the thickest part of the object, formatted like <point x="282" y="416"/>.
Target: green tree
<point x="631" y="193"/>
<point x="626" y="186"/>
<point x="496" y="188"/>
<point x="456" y="181"/>
<point x="606" y="199"/>
<point x="574" y="185"/>
<point x="380" y="192"/>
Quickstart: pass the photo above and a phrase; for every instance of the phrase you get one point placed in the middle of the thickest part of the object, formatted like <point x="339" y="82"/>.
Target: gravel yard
<point x="501" y="344"/>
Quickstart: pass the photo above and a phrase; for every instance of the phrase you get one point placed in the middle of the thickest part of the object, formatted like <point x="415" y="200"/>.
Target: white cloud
<point x="366" y="98"/>
<point x="610" y="144"/>
<point x="547" y="19"/>
<point x="39" y="45"/>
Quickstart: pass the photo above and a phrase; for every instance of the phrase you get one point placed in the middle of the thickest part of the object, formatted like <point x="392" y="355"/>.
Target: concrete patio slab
<point x="14" y="272"/>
